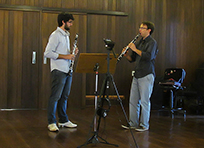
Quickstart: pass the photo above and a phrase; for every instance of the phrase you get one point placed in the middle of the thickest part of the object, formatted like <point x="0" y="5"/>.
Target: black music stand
<point x="108" y="67"/>
<point x="96" y="63"/>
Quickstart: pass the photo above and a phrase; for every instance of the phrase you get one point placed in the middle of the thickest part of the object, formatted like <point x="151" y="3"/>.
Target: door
<point x="19" y="76"/>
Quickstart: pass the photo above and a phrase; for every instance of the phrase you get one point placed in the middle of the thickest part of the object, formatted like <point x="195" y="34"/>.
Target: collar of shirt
<point x="146" y="39"/>
<point x="65" y="33"/>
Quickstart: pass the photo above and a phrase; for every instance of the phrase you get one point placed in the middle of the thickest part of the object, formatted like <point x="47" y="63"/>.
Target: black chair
<point x="173" y="78"/>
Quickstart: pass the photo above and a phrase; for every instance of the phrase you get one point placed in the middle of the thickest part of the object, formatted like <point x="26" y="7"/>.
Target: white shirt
<point x="58" y="43"/>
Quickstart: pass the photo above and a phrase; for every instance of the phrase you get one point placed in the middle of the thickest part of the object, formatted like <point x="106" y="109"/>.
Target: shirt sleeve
<point x="149" y="54"/>
<point x="50" y="50"/>
<point x="133" y="56"/>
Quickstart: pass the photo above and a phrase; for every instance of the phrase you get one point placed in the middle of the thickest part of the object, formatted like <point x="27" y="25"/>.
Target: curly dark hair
<point x="64" y="17"/>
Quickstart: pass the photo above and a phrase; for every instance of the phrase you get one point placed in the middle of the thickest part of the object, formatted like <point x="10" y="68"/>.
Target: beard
<point x="66" y="27"/>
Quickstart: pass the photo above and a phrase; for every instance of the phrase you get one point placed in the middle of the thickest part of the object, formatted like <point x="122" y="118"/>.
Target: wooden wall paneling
<point x="167" y="45"/>
<point x="17" y="2"/>
<point x="2" y="1"/>
<point x="22" y="2"/>
<point x="30" y="74"/>
<point x="107" y="4"/>
<point x="192" y="45"/>
<point x="80" y="4"/>
<point x="160" y="36"/>
<point x="68" y="4"/>
<point x="94" y="4"/>
<point x="182" y="34"/>
<point x="112" y="5"/>
<point x="15" y="40"/>
<point x="52" y="3"/>
<point x="111" y="31"/>
<point x="123" y="5"/>
<point x="62" y="8"/>
<point x="118" y="5"/>
<point x="30" y="2"/>
<point x="182" y="37"/>
<point x="33" y="3"/>
<point x="202" y="34"/>
<point x="198" y="17"/>
<point x="4" y="59"/>
<point x="97" y="30"/>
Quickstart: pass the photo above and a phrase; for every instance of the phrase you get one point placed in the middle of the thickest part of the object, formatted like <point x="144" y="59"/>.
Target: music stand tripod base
<point x="95" y="140"/>
<point x="86" y="63"/>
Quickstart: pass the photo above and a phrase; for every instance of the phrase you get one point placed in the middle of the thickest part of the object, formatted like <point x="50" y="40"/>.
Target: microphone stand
<point x="96" y="67"/>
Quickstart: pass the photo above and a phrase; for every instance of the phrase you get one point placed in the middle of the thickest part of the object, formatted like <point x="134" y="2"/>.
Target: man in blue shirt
<point x="59" y="52"/>
<point x="143" y="54"/>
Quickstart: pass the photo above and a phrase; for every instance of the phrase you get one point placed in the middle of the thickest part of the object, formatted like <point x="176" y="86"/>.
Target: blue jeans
<point x="61" y="86"/>
<point x="141" y="90"/>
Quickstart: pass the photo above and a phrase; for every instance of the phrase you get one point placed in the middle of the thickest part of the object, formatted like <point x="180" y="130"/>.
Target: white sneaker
<point x="67" y="124"/>
<point x="128" y="127"/>
<point x="141" y="129"/>
<point x="53" y="127"/>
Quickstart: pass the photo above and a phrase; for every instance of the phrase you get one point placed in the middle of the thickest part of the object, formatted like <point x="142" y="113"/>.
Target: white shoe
<point x="53" y="127"/>
<point x="141" y="129"/>
<point x="67" y="124"/>
<point x="128" y="127"/>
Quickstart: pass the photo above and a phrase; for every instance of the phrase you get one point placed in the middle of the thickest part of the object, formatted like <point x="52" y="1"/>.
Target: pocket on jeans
<point x="150" y="78"/>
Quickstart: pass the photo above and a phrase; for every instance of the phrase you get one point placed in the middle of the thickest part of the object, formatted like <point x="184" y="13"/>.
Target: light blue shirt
<point x="58" y="43"/>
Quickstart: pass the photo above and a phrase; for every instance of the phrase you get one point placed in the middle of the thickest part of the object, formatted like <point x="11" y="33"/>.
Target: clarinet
<point x="73" y="52"/>
<point x="122" y="54"/>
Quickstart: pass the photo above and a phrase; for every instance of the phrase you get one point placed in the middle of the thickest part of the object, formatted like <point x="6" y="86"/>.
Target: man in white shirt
<point x="58" y="50"/>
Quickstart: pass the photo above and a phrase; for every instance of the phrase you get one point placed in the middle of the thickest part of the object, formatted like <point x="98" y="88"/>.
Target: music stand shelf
<point x="111" y="97"/>
<point x="87" y="61"/>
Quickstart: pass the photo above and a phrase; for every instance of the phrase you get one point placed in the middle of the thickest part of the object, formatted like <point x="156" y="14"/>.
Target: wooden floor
<point x="28" y="129"/>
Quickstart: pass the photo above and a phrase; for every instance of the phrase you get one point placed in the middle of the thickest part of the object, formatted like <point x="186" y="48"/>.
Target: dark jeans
<point x="61" y="86"/>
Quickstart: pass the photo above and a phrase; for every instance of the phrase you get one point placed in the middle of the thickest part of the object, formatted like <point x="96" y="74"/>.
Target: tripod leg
<point x="121" y="104"/>
<point x="105" y="142"/>
<point x="94" y="139"/>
